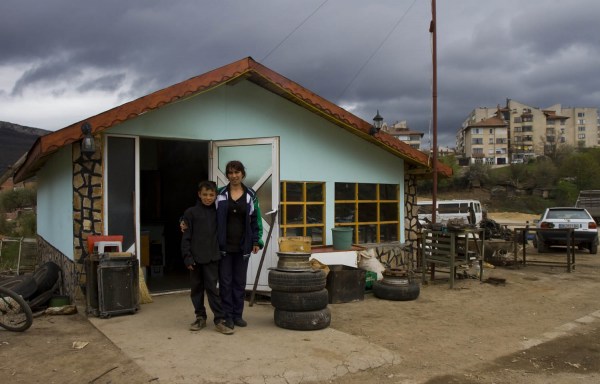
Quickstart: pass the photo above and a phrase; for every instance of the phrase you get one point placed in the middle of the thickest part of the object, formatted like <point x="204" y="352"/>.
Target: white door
<point x="261" y="160"/>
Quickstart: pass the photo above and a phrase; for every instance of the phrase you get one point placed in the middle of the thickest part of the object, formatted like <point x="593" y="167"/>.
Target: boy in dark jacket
<point x="200" y="250"/>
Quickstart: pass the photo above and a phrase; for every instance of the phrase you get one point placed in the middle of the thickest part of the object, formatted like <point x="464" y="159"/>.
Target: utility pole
<point x="432" y="30"/>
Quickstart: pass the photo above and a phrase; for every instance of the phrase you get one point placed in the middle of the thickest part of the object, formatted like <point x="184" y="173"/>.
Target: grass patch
<point x="9" y="255"/>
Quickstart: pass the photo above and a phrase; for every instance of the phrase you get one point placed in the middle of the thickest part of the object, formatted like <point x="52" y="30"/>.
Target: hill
<point x="15" y="141"/>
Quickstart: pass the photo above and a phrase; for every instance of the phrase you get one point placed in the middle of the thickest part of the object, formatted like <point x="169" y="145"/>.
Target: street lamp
<point x="88" y="146"/>
<point x="377" y="123"/>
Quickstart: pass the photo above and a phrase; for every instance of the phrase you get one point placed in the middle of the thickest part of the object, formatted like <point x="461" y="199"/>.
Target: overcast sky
<point x="62" y="61"/>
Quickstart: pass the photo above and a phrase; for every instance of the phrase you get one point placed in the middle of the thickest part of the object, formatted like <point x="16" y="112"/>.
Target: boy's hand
<point x="190" y="267"/>
<point x="255" y="249"/>
<point x="183" y="226"/>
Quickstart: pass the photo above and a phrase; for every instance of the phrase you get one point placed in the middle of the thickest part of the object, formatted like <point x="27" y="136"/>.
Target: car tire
<point x="541" y="246"/>
<point x="23" y="285"/>
<point x="297" y="281"/>
<point x="46" y="276"/>
<point x="303" y="320"/>
<point x="534" y="242"/>
<point x="396" y="292"/>
<point x="593" y="248"/>
<point x="300" y="301"/>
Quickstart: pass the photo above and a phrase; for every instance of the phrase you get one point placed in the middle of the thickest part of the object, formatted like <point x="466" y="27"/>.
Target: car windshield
<point x="568" y="214"/>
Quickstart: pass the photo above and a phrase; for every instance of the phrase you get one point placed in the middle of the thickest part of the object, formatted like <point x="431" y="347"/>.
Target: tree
<point x="545" y="173"/>
<point x="13" y="199"/>
<point x="583" y="169"/>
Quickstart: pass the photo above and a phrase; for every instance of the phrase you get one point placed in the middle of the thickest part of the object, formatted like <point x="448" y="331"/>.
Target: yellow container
<point x="295" y="244"/>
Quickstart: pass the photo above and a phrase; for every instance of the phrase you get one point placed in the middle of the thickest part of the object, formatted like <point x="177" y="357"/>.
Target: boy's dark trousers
<point x="204" y="277"/>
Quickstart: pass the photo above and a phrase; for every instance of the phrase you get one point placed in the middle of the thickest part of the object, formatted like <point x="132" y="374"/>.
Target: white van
<point x="450" y="209"/>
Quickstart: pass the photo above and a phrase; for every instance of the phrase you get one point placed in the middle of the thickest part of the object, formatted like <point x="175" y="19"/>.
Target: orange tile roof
<point x="493" y="121"/>
<point x="244" y="69"/>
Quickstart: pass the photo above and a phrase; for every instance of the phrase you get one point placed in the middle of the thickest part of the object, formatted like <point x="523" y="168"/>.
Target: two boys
<point x="200" y="250"/>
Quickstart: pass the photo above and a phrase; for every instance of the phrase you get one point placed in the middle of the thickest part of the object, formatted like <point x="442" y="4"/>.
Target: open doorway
<point x="169" y="174"/>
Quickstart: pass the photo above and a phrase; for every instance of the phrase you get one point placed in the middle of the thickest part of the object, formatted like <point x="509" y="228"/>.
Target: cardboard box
<point x="295" y="244"/>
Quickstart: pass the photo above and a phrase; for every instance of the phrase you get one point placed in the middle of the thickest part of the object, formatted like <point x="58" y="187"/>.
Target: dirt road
<point x="542" y="326"/>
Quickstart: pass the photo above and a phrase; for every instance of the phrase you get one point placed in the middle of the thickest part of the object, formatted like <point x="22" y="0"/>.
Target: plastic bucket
<point x="342" y="238"/>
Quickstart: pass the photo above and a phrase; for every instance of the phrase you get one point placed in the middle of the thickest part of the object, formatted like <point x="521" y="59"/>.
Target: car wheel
<point x="300" y="301"/>
<point x="593" y="248"/>
<point x="303" y="321"/>
<point x="396" y="292"/>
<point x="541" y="246"/>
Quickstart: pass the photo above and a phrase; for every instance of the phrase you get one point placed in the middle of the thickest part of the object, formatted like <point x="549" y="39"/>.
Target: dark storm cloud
<point x="539" y="53"/>
<point x="109" y="83"/>
<point x="45" y="73"/>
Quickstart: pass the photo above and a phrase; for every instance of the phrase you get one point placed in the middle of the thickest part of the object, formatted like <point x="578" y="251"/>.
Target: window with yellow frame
<point x="303" y="210"/>
<point x="372" y="210"/>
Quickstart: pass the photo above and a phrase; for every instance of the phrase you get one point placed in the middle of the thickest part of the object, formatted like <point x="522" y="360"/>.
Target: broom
<point x="145" y="297"/>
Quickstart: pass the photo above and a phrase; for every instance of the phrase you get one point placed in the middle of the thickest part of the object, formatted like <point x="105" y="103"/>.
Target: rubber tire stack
<point x="300" y="299"/>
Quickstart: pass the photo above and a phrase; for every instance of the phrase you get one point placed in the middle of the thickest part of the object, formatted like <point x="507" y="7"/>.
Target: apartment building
<point x="485" y="140"/>
<point x="402" y="132"/>
<point x="517" y="132"/>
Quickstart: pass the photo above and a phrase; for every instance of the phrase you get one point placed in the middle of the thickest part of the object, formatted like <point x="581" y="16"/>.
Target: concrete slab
<point x="158" y="339"/>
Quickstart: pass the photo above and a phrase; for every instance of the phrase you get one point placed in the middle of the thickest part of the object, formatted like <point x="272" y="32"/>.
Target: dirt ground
<point x="541" y="326"/>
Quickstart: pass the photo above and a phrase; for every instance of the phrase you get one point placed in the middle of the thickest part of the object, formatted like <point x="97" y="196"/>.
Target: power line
<point x="292" y="32"/>
<point x="376" y="50"/>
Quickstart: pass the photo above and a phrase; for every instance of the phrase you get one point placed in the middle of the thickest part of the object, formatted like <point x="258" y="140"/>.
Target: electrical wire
<point x="377" y="49"/>
<point x="294" y="30"/>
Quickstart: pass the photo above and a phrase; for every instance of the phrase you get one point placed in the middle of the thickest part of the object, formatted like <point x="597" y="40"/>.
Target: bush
<point x="26" y="224"/>
<point x="13" y="199"/>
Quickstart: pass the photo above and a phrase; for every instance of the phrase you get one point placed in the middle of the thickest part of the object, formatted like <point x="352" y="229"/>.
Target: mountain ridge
<point x="15" y="141"/>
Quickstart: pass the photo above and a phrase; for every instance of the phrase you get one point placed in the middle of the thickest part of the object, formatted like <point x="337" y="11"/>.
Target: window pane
<point x="367" y="191"/>
<point x="388" y="232"/>
<point x="344" y="213"/>
<point x="293" y="191"/>
<point x="344" y="191"/>
<point x="424" y="209"/>
<point x="367" y="233"/>
<point x="388" y="212"/>
<point x="316" y="234"/>
<point x="314" y="192"/>
<point x="314" y="214"/>
<point x="388" y="192"/>
<point x="367" y="212"/>
<point x="294" y="214"/>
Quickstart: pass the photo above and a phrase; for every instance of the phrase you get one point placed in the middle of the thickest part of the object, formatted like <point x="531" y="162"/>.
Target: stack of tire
<point x="298" y="293"/>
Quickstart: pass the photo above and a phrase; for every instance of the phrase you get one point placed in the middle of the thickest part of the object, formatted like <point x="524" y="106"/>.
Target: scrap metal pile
<point x="493" y="230"/>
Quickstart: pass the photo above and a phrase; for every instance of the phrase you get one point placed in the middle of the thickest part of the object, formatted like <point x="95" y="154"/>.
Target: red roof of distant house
<point x="493" y="121"/>
<point x="244" y="69"/>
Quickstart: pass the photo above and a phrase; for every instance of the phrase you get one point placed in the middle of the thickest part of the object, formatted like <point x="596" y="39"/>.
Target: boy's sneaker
<point x="198" y="324"/>
<point x="224" y="329"/>
<point x="239" y="322"/>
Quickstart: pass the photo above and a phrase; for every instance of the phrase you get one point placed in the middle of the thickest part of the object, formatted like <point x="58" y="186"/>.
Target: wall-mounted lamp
<point x="377" y="123"/>
<point x="87" y="144"/>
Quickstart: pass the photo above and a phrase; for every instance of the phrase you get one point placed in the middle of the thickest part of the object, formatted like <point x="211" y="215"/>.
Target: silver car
<point x="584" y="227"/>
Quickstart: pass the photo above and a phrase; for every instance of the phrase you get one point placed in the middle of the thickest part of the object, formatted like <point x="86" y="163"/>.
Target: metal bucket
<point x="293" y="261"/>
